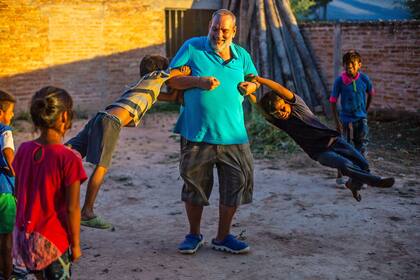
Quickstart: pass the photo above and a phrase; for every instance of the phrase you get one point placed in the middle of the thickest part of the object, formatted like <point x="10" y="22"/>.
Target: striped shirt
<point x="140" y="97"/>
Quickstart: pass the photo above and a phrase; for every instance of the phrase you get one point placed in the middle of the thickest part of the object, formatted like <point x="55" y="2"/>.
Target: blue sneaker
<point x="191" y="244"/>
<point x="230" y="244"/>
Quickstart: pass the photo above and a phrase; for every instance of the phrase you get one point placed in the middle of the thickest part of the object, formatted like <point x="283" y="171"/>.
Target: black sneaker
<point x="385" y="183"/>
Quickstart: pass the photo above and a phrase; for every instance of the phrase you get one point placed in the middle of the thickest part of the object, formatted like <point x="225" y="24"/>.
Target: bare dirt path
<point x="300" y="226"/>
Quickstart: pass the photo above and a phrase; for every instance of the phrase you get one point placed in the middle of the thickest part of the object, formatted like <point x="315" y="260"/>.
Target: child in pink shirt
<point x="48" y="178"/>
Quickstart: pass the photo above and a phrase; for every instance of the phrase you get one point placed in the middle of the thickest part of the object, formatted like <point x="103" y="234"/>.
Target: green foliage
<point x="266" y="140"/>
<point x="302" y="8"/>
<point x="414" y="7"/>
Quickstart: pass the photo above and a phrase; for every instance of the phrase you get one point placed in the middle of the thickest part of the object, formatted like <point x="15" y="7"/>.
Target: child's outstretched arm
<point x="276" y="87"/>
<point x="175" y="95"/>
<point x="73" y="218"/>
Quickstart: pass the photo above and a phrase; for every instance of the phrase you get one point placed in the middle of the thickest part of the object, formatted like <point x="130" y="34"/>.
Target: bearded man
<point x="212" y="128"/>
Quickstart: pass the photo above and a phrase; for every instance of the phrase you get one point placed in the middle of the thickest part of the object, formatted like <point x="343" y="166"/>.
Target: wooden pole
<point x="225" y="4"/>
<point x="245" y="16"/>
<point x="254" y="47"/>
<point x="232" y="6"/>
<point x="299" y="76"/>
<point x="275" y="27"/>
<point x="311" y="70"/>
<point x="262" y="38"/>
<point x="337" y="49"/>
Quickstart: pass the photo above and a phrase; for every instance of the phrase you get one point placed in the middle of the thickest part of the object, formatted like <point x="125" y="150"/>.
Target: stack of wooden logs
<point x="269" y="30"/>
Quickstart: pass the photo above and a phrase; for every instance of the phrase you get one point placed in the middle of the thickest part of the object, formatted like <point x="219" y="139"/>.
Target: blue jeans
<point x="357" y="133"/>
<point x="344" y="157"/>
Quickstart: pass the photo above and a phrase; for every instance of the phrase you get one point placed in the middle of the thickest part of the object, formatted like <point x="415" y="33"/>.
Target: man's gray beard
<point x="215" y="47"/>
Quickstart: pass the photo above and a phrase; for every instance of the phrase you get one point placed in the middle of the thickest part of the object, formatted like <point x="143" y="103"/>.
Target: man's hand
<point x="246" y="88"/>
<point x="76" y="253"/>
<point x="208" y="83"/>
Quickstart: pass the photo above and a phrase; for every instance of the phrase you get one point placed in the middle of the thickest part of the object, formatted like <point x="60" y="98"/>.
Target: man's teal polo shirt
<point x="214" y="116"/>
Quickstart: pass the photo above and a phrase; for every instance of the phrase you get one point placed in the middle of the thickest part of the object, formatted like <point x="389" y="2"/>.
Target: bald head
<point x="224" y="12"/>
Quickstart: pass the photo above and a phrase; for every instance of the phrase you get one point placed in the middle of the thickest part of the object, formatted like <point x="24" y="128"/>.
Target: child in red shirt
<point x="48" y="178"/>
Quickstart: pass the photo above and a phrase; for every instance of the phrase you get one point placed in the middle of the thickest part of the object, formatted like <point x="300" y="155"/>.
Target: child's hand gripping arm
<point x="73" y="218"/>
<point x="280" y="90"/>
<point x="248" y="89"/>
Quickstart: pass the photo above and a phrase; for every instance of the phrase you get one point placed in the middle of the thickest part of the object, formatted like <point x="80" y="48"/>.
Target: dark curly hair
<point x="5" y="100"/>
<point x="47" y="104"/>
<point x="351" y="56"/>
<point x="268" y="101"/>
<point x="151" y="63"/>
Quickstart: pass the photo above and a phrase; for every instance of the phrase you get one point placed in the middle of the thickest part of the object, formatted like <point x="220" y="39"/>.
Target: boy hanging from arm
<point x="287" y="111"/>
<point x="97" y="140"/>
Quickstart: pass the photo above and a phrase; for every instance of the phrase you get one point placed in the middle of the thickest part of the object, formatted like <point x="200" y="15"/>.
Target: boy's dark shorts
<point x="98" y="139"/>
<point x="234" y="165"/>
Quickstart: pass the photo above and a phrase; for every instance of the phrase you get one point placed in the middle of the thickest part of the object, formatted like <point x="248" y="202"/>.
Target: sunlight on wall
<point x="38" y="34"/>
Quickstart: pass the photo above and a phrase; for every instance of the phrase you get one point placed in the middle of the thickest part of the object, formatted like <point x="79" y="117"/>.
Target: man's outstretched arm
<point x="187" y="82"/>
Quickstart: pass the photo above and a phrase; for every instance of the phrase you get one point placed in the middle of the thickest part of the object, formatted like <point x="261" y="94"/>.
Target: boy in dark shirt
<point x="287" y="111"/>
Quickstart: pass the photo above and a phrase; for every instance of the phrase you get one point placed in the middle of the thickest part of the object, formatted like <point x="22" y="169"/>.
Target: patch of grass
<point x="81" y="114"/>
<point x="22" y="116"/>
<point x="164" y="107"/>
<point x="267" y="140"/>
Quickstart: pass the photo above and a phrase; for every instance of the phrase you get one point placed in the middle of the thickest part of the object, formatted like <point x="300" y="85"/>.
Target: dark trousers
<point x="357" y="133"/>
<point x="349" y="161"/>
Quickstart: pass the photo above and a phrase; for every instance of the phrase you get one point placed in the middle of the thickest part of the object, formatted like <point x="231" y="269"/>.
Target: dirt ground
<point x="299" y="226"/>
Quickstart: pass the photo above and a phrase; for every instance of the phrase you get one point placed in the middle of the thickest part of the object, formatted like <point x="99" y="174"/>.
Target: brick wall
<point x="92" y="48"/>
<point x="390" y="55"/>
